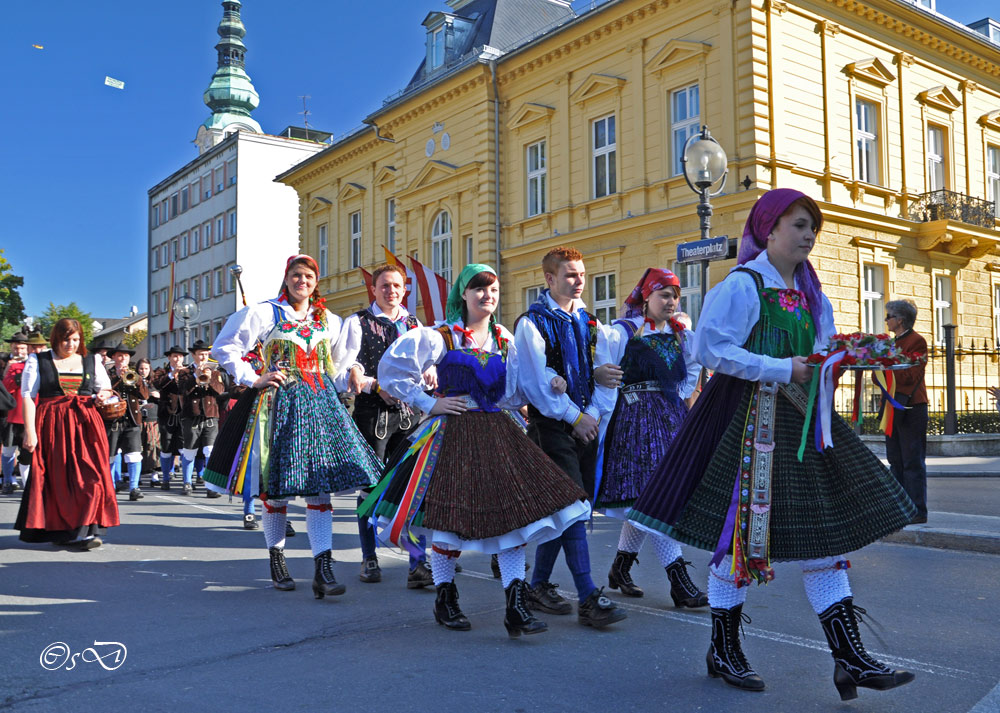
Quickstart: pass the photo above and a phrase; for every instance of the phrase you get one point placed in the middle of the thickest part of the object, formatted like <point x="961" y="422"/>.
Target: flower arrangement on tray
<point x="868" y="351"/>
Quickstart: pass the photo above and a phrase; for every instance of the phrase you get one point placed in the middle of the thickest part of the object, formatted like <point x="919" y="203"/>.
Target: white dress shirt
<point x="31" y="379"/>
<point x="349" y="345"/>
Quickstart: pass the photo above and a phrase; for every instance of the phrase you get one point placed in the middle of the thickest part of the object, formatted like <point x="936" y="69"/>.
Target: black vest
<point x="377" y="334"/>
<point x="48" y="377"/>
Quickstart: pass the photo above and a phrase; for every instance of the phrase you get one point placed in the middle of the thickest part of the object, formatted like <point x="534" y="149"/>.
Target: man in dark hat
<point x="168" y="411"/>
<point x="13" y="424"/>
<point x="36" y="343"/>
<point x="126" y="432"/>
<point x="101" y="348"/>
<point x="200" y="385"/>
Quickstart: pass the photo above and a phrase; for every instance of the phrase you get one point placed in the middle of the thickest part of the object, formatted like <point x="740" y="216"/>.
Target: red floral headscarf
<point x="653" y="279"/>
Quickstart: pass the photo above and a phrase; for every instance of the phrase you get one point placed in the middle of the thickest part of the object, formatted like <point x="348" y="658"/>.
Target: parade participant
<point x="13" y="422"/>
<point x="485" y="487"/>
<point x="36" y="343"/>
<point x="383" y="420"/>
<point x="299" y="439"/>
<point x="657" y="371"/>
<point x="150" y="432"/>
<point x="125" y="433"/>
<point x="200" y="386"/>
<point x="558" y="337"/>
<point x="736" y="480"/>
<point x="227" y="402"/>
<point x="169" y="405"/>
<point x="69" y="496"/>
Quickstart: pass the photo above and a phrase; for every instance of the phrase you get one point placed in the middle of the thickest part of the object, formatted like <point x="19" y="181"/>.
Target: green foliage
<point x="11" y="306"/>
<point x="967" y="422"/>
<point x="134" y="339"/>
<point x="53" y="313"/>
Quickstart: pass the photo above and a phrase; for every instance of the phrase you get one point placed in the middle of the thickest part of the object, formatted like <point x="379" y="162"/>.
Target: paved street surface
<point x="186" y="591"/>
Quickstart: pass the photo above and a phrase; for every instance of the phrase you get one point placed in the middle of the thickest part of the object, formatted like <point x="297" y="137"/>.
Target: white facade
<point x="230" y="187"/>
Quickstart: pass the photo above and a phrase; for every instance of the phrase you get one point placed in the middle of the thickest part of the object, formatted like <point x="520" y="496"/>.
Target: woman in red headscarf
<point x="296" y="439"/>
<point x="736" y="482"/>
<point x="657" y="372"/>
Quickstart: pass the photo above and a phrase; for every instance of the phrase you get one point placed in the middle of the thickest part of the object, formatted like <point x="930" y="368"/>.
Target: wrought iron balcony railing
<point x="949" y="205"/>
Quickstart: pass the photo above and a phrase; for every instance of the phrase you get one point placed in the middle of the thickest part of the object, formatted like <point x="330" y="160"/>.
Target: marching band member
<point x="169" y="405"/>
<point x="200" y="386"/>
<point x="13" y="423"/>
<point x="125" y="433"/>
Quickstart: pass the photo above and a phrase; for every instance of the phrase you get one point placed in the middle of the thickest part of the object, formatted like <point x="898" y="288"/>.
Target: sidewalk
<point x="954" y="522"/>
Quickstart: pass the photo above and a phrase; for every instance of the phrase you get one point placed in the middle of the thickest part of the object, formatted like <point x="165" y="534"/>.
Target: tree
<point x="11" y="306"/>
<point x="134" y="339"/>
<point x="53" y="313"/>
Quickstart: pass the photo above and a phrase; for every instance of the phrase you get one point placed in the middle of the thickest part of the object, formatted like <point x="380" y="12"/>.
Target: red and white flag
<point x="369" y="285"/>
<point x="410" y="300"/>
<point x="433" y="292"/>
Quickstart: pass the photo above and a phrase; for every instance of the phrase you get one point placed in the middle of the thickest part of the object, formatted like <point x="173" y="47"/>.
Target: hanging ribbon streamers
<point x="887" y="383"/>
<point x="829" y="371"/>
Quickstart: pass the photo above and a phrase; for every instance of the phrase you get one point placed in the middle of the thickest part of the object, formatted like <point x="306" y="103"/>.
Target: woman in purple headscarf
<point x="736" y="482"/>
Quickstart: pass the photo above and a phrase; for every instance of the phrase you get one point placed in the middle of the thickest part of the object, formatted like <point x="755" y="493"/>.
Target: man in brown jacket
<point x="906" y="448"/>
<point x="200" y="386"/>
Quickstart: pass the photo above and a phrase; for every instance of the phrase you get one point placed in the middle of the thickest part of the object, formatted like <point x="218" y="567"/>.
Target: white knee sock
<point x="443" y="567"/>
<point x="23" y="470"/>
<point x="319" y="523"/>
<point x="631" y="538"/>
<point x="826" y="581"/>
<point x="511" y="565"/>
<point x="667" y="549"/>
<point x="274" y="522"/>
<point x="722" y="590"/>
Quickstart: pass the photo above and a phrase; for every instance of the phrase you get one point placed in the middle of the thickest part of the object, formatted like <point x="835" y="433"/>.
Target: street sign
<point x="710" y="249"/>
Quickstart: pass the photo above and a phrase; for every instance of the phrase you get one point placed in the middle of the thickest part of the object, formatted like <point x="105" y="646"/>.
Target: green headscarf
<point x="453" y="311"/>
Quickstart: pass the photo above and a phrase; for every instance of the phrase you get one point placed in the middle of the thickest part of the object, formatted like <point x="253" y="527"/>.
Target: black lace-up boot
<point x="324" y="582"/>
<point x="620" y="576"/>
<point x="682" y="590"/>
<point x="725" y="655"/>
<point x="446" y="610"/>
<point x="518" y="619"/>
<point x="279" y="570"/>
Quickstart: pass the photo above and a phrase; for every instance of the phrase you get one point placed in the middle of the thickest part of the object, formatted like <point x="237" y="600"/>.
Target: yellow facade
<point x="779" y="85"/>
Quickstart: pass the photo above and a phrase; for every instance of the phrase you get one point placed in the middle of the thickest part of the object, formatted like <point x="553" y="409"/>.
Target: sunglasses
<point x="891" y="316"/>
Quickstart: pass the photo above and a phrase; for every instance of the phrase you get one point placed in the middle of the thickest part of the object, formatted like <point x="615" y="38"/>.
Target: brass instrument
<point x="130" y="379"/>
<point x="204" y="376"/>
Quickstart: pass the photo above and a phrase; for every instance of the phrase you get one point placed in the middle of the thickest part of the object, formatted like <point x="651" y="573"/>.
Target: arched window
<point x="441" y="245"/>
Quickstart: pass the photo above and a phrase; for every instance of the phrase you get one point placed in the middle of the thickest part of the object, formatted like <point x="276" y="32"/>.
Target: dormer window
<point x="436" y="42"/>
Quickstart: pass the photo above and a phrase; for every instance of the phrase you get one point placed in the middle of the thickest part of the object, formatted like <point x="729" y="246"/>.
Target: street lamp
<point x="705" y="164"/>
<point x="186" y="309"/>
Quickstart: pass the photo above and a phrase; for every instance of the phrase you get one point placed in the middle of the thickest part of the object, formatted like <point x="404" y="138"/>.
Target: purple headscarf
<point x="763" y="217"/>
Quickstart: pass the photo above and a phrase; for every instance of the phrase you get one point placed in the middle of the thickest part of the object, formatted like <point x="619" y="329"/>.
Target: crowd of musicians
<point x="469" y="436"/>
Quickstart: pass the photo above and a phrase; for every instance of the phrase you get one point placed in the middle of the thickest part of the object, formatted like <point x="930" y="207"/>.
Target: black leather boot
<point x="853" y="666"/>
<point x="620" y="577"/>
<point x="495" y="566"/>
<point x="324" y="582"/>
<point x="446" y="611"/>
<point x="279" y="570"/>
<point x="518" y="619"/>
<point x="682" y="590"/>
<point x="725" y="656"/>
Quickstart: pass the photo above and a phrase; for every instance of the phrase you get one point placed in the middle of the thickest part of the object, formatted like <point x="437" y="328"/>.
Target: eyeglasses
<point x="891" y="316"/>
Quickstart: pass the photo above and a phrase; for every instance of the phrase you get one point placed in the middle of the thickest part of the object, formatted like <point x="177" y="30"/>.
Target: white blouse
<point x="411" y="354"/>
<point x="618" y="340"/>
<point x="31" y="379"/>
<point x="254" y="323"/>
<point x="731" y="310"/>
<point x="349" y="345"/>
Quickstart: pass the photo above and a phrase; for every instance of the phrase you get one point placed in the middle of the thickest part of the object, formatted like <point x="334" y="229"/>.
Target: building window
<point x="935" y="158"/>
<point x="206" y="331"/>
<point x="993" y="177"/>
<point x="231" y="278"/>
<point x="195" y="240"/>
<point x="441" y="245"/>
<point x="873" y="299"/>
<point x="196" y="288"/>
<point x="531" y="295"/>
<point x="324" y="253"/>
<point x="164" y="300"/>
<point x="173" y="250"/>
<point x="436" y="49"/>
<point x="163" y="212"/>
<point x="866" y="129"/>
<point x="685" y="119"/>
<point x="690" y="276"/>
<point x="184" y="199"/>
<point x="220" y="284"/>
<point x="156" y="258"/>
<point x="206" y="232"/>
<point x="604" y="152"/>
<point x="468" y="250"/>
<point x="231" y="171"/>
<point x="605" y="305"/>
<point x="206" y="186"/>
<point x="174" y="205"/>
<point x="219" y="175"/>
<point x="232" y="224"/>
<point x="184" y="245"/>
<point x="390" y="224"/>
<point x="536" y="178"/>
<point x="155" y="215"/>
<point x="220" y="229"/>
<point x="153" y="342"/>
<point x="996" y="316"/>
<point x="195" y="191"/>
<point x="154" y="306"/>
<point x="218" y="327"/>
<point x="942" y="306"/>
<point x="164" y="254"/>
<point x="206" y="285"/>
<point x="354" y="223"/>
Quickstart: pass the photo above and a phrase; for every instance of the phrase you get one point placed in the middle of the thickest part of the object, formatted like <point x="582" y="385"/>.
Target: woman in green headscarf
<point x="471" y="480"/>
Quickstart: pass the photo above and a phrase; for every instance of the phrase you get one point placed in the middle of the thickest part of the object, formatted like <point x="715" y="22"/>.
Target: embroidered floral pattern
<point x="791" y="301"/>
<point x="303" y="329"/>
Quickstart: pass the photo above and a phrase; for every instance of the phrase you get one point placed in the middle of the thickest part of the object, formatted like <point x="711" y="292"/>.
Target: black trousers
<point x="384" y="429"/>
<point x="577" y="459"/>
<point x="906" y="451"/>
<point x="125" y="435"/>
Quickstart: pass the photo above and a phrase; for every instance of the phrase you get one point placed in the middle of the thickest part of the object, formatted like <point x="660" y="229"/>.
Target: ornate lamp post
<point x="705" y="164"/>
<point x="187" y="310"/>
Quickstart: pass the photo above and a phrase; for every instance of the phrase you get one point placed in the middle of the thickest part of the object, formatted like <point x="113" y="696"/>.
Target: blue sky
<point x="78" y="157"/>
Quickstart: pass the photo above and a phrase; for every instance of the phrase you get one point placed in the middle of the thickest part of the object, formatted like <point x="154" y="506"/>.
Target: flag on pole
<point x="367" y="277"/>
<point x="170" y="298"/>
<point x="112" y="82"/>
<point x="433" y="292"/>
<point x="410" y="300"/>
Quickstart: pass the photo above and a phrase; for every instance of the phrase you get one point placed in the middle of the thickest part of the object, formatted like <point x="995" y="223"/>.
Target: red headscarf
<point x="314" y="299"/>
<point x="653" y="279"/>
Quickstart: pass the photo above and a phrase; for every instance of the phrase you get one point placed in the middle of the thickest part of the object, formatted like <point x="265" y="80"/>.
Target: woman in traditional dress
<point x="70" y="494"/>
<point x="289" y="435"/>
<point x="740" y="479"/>
<point x="471" y="480"/>
<point x="657" y="371"/>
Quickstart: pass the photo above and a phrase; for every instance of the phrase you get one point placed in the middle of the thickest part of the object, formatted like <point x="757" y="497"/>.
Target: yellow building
<point x="886" y="113"/>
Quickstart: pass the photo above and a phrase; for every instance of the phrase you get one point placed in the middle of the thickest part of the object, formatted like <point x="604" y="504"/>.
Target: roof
<point x="112" y="325"/>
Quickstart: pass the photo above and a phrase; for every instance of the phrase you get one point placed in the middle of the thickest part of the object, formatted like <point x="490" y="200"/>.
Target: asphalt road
<point x="972" y="496"/>
<point x="186" y="592"/>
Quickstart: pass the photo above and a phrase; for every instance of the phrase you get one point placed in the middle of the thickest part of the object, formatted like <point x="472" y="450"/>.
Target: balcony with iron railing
<point x="949" y="205"/>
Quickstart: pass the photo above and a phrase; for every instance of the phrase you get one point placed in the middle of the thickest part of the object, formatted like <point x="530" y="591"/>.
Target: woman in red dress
<point x="69" y="495"/>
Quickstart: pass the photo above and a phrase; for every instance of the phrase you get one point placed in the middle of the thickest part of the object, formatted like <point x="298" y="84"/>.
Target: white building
<point x="223" y="208"/>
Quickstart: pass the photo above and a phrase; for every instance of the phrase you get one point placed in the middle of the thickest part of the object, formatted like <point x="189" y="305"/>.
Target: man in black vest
<point x="382" y="420"/>
<point x="169" y="405"/>
<point x="125" y="434"/>
<point x="557" y="337"/>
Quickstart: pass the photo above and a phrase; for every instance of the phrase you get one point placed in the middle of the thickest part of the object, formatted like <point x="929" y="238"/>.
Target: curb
<point x="963" y="474"/>
<point x="965" y="540"/>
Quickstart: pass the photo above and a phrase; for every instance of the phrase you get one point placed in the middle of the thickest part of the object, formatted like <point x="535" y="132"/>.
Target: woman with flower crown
<point x="297" y="439"/>
<point x="657" y="371"/>
<point x="740" y="478"/>
<point x="470" y="479"/>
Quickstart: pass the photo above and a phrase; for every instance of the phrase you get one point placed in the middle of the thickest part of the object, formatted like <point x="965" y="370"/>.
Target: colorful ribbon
<point x="887" y="383"/>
